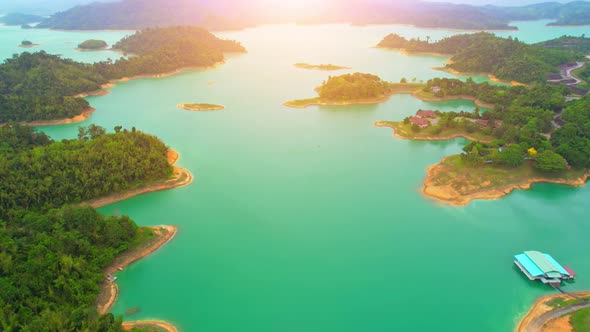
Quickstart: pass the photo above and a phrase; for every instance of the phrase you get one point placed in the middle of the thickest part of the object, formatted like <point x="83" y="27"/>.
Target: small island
<point x="328" y="67"/>
<point x="351" y="89"/>
<point x="27" y="44"/>
<point x="92" y="45"/>
<point x="200" y="107"/>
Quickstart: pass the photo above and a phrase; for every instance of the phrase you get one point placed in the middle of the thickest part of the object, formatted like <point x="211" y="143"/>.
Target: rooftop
<point x="540" y="264"/>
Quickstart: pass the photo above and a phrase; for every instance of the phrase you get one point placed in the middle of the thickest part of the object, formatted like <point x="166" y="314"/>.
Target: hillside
<point x="506" y="58"/>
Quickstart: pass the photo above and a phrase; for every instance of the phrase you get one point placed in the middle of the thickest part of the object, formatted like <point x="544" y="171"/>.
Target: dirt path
<point x="541" y="313"/>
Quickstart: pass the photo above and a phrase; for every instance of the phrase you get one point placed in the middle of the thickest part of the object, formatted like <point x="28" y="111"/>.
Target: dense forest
<point x="576" y="44"/>
<point x="353" y="86"/>
<point x="40" y="174"/>
<point x="51" y="255"/>
<point x="523" y="118"/>
<point x="506" y="58"/>
<point x="39" y="86"/>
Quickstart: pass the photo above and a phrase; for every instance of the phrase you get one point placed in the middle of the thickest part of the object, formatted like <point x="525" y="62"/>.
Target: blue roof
<point x="538" y="264"/>
<point x="529" y="265"/>
<point x="557" y="265"/>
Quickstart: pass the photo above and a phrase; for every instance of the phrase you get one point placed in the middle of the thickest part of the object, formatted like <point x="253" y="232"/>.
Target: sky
<point x="47" y="7"/>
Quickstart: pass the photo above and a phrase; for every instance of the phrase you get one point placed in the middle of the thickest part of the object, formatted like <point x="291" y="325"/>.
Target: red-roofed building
<point x="425" y="114"/>
<point x="420" y="122"/>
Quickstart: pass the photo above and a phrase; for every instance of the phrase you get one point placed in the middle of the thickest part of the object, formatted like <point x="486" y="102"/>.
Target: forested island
<point x="200" y="107"/>
<point x="357" y="88"/>
<point x="525" y="138"/>
<point x="27" y="44"/>
<point x="505" y="58"/>
<point x="51" y="253"/>
<point x="92" y="44"/>
<point x="40" y="86"/>
<point x="328" y="67"/>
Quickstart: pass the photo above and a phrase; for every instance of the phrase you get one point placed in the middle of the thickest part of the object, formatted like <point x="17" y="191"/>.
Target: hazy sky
<point x="46" y="7"/>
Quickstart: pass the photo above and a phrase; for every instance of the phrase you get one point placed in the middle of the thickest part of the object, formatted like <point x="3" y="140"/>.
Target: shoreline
<point x="491" y="77"/>
<point x="449" y="195"/>
<point x="103" y="92"/>
<point x="127" y="258"/>
<point x="476" y="101"/>
<point x="384" y="124"/>
<point x="85" y="115"/>
<point x="127" y="326"/>
<point x="180" y="177"/>
<point x="538" y="309"/>
<point x="28" y="46"/>
<point x="318" y="102"/>
<point x="328" y="67"/>
<point x="200" y="109"/>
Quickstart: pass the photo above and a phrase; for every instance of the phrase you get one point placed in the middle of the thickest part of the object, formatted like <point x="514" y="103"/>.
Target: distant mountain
<point x="233" y="14"/>
<point x="20" y="19"/>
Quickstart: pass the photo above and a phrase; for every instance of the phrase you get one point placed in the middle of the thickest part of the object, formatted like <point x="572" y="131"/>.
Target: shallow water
<point x="313" y="220"/>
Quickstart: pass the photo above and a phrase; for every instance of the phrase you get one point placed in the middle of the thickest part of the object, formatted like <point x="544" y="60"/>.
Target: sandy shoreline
<point x="109" y="291"/>
<point x="449" y="195"/>
<point x="539" y="308"/>
<point x="492" y="77"/>
<point x="329" y="103"/>
<point x="200" y="109"/>
<point x="161" y="324"/>
<point x="75" y="119"/>
<point x="449" y="98"/>
<point x="29" y="46"/>
<point x="384" y="124"/>
<point x="181" y="177"/>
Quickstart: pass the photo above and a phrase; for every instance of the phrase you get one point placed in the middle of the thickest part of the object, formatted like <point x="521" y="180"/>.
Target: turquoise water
<point x="313" y="220"/>
<point x="58" y="42"/>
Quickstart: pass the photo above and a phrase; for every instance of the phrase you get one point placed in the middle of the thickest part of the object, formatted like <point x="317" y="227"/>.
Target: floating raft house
<point x="539" y="266"/>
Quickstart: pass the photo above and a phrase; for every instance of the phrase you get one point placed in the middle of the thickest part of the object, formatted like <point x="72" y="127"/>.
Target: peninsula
<point x="81" y="242"/>
<point x="328" y="67"/>
<point x="351" y="89"/>
<point x="200" y="107"/>
<point x="560" y="312"/>
<point x="515" y="144"/>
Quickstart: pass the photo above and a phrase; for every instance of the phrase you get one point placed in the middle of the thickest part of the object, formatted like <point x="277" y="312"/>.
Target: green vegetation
<point x="200" y="107"/>
<point x="26" y="43"/>
<point x="320" y="67"/>
<point x="94" y="165"/>
<point x="580" y="320"/>
<point x="575" y="44"/>
<point x="572" y="141"/>
<point x="51" y="256"/>
<point x="353" y="88"/>
<point x="93" y="44"/>
<point x="508" y="59"/>
<point x="39" y="86"/>
<point x="20" y="19"/>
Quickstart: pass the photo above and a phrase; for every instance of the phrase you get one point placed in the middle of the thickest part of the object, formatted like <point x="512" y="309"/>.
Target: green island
<point x="93" y="44"/>
<point x="506" y="59"/>
<point x="530" y="135"/>
<point x="328" y="67"/>
<point x="27" y="44"/>
<point x="357" y="88"/>
<point x="54" y="248"/>
<point x="200" y="107"/>
<point x="40" y="86"/>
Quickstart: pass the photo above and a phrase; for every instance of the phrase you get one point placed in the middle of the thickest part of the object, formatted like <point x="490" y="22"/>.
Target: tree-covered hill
<point x="51" y="256"/>
<point x="506" y="58"/>
<point x="353" y="86"/>
<point x="20" y="19"/>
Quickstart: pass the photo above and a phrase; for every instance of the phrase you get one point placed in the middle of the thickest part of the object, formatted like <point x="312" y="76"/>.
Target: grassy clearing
<point x="580" y="320"/>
